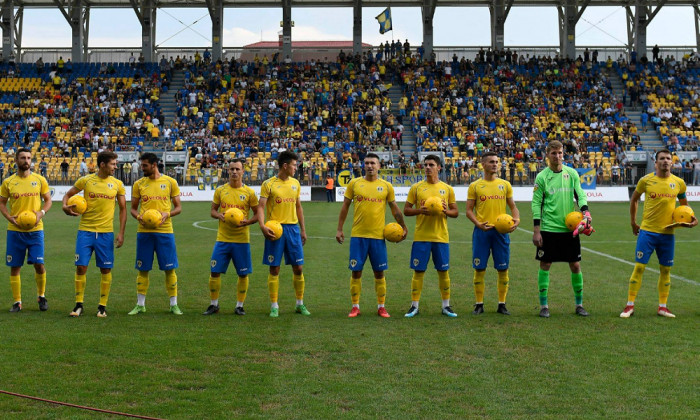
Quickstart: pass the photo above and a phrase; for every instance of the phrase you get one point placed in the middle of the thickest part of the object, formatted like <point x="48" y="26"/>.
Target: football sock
<point x="635" y="282"/>
<point x="664" y="283"/>
<point x="16" y="286"/>
<point x="239" y="304"/>
<point x="173" y="300"/>
<point x="141" y="299"/>
<point x="479" y="285"/>
<point x="577" y="284"/>
<point x="215" y="302"/>
<point x="417" y="285"/>
<point x="273" y="286"/>
<point x="355" y="290"/>
<point x="80" y="280"/>
<point x="105" y="284"/>
<point x="40" y="283"/>
<point x="242" y="289"/>
<point x="503" y="281"/>
<point x="445" y="303"/>
<point x="171" y="283"/>
<point x="444" y="284"/>
<point x="543" y="285"/>
<point x="299" y="286"/>
<point x="214" y="287"/>
<point x="380" y="288"/>
<point x="142" y="283"/>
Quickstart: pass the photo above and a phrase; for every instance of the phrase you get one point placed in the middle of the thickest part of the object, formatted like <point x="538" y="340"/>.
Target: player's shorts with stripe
<point x="489" y="242"/>
<point x="101" y="243"/>
<point x="559" y="247"/>
<point x="663" y="244"/>
<point x="20" y="244"/>
<point x="420" y="255"/>
<point x="162" y="244"/>
<point x="289" y="245"/>
<point x="239" y="253"/>
<point x="375" y="249"/>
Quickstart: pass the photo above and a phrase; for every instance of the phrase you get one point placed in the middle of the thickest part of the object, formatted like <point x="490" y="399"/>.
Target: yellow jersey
<point x="282" y="197"/>
<point x="100" y="195"/>
<point x="659" y="201"/>
<point x="431" y="228"/>
<point x="242" y="198"/>
<point x="156" y="194"/>
<point x="24" y="194"/>
<point x="489" y="198"/>
<point x="370" y="199"/>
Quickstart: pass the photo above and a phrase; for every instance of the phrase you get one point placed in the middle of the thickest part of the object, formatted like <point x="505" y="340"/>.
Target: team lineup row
<point x="155" y="200"/>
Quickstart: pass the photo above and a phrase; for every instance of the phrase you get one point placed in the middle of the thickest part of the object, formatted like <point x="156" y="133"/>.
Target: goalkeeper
<point x="556" y="189"/>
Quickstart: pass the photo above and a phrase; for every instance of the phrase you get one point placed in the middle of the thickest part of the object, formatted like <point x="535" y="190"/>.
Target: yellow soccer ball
<point x="393" y="232"/>
<point x="504" y="222"/>
<point x="683" y="214"/>
<point x="573" y="219"/>
<point x="434" y="205"/>
<point x="79" y="204"/>
<point x="234" y="216"/>
<point x="26" y="220"/>
<point x="276" y="228"/>
<point x="151" y="218"/>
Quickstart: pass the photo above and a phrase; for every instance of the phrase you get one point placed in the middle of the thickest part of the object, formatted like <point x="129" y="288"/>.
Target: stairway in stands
<point x="650" y="140"/>
<point x="409" y="138"/>
<point x="167" y="100"/>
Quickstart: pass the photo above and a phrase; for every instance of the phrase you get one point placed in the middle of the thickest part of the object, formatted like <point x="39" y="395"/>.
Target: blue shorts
<point x="288" y="244"/>
<point x="20" y="244"/>
<point x="163" y="244"/>
<point x="101" y="243"/>
<point x="420" y="255"/>
<point x="663" y="244"/>
<point x="485" y="242"/>
<point x="361" y="248"/>
<point x="224" y="252"/>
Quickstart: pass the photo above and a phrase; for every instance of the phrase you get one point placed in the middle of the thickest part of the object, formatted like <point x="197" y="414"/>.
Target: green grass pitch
<point x="329" y="366"/>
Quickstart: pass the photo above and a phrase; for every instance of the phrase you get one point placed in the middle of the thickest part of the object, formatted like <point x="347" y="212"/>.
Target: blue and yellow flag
<point x="588" y="178"/>
<point x="384" y="20"/>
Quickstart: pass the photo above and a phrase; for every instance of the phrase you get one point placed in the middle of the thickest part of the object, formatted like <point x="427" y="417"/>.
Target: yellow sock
<point x="273" y="286"/>
<point x="479" y="285"/>
<point x="242" y="288"/>
<point x="444" y="283"/>
<point x="105" y="284"/>
<point x="40" y="283"/>
<point x="214" y="287"/>
<point x="380" y="288"/>
<point x="171" y="283"/>
<point x="635" y="282"/>
<point x="299" y="286"/>
<point x="142" y="282"/>
<point x="16" y="286"/>
<point x="417" y="285"/>
<point x="355" y="290"/>
<point x="664" y="283"/>
<point x="80" y="281"/>
<point x="503" y="281"/>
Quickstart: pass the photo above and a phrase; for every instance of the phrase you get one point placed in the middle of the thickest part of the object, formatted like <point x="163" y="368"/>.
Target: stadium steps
<point x="408" y="145"/>
<point x="650" y="140"/>
<point x="167" y="101"/>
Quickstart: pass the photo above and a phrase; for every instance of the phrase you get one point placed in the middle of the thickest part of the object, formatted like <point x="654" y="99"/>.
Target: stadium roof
<point x="306" y="44"/>
<point x="338" y="3"/>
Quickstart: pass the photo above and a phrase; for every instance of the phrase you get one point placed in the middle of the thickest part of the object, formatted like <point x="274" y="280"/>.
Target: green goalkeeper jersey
<point x="554" y="196"/>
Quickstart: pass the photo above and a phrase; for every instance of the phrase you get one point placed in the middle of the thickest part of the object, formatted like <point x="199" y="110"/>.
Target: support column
<point x="427" y="14"/>
<point x="569" y="16"/>
<point x="77" y="29"/>
<point x="8" y="28"/>
<point x="286" y="30"/>
<point x="696" y="12"/>
<point x="640" y="44"/>
<point x="216" y="13"/>
<point x="498" y="22"/>
<point x="148" y="30"/>
<point x="357" y="27"/>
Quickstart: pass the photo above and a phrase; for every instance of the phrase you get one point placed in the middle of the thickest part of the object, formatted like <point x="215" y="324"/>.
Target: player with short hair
<point x="661" y="189"/>
<point x="96" y="230"/>
<point x="25" y="191"/>
<point x="370" y="196"/>
<point x="159" y="192"/>
<point x="556" y="188"/>
<point x="431" y="235"/>
<point x="486" y="200"/>
<point x="280" y="200"/>
<point x="232" y="242"/>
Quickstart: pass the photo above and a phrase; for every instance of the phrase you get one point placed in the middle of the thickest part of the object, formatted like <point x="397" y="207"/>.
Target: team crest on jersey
<point x="162" y="186"/>
<point x="34" y="184"/>
<point x="536" y="188"/>
<point x="294" y="187"/>
<point x="77" y="257"/>
<point x="110" y="185"/>
<point x="566" y="176"/>
<point x="380" y="189"/>
<point x="640" y="254"/>
<point x="540" y="253"/>
<point x="672" y="186"/>
<point x="213" y="263"/>
<point x="139" y="263"/>
<point x="270" y="258"/>
<point x="416" y="261"/>
<point x="242" y="197"/>
<point x="501" y="187"/>
<point x="353" y="263"/>
<point x="9" y="258"/>
<point x="477" y="261"/>
<point x="442" y="192"/>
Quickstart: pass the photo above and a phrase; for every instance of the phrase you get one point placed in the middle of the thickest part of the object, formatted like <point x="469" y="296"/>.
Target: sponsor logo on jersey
<point x="491" y="197"/>
<point x="147" y="198"/>
<point x="26" y="194"/>
<point x="98" y="195"/>
<point x="280" y="200"/>
<point x="361" y="198"/>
